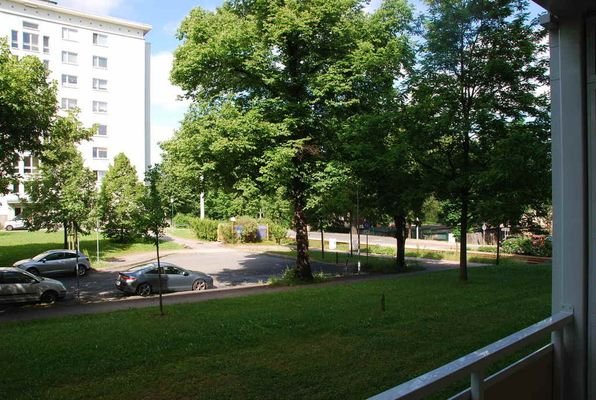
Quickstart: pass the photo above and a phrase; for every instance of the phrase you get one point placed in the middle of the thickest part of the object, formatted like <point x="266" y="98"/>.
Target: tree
<point x="27" y="108"/>
<point x="119" y="203"/>
<point x="293" y="67"/>
<point x="479" y="126"/>
<point x="63" y="193"/>
<point x="154" y="216"/>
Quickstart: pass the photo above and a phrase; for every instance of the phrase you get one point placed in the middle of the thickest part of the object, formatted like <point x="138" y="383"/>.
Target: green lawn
<point x="316" y="342"/>
<point x="17" y="245"/>
<point x="185" y="233"/>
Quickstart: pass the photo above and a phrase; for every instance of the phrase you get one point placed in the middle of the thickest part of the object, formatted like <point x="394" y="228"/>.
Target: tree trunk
<point x="303" y="271"/>
<point x="159" y="275"/>
<point x="65" y="234"/>
<point x="400" y="237"/>
<point x="463" y="238"/>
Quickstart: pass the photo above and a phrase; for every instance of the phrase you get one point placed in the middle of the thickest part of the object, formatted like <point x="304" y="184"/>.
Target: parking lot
<point x="229" y="267"/>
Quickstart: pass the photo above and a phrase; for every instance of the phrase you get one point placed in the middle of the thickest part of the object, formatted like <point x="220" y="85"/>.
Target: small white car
<point x="18" y="286"/>
<point x="14" y="223"/>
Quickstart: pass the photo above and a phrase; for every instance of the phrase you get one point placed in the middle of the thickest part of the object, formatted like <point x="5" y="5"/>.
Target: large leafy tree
<point x="27" y="108"/>
<point x="119" y="203"/>
<point x="480" y="125"/>
<point x="290" y="71"/>
<point x="63" y="193"/>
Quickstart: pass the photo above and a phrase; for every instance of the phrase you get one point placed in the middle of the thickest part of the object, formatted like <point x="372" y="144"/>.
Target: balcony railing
<point x="475" y="364"/>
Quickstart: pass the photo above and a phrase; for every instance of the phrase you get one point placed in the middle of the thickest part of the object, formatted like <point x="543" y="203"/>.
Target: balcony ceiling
<point x="568" y="7"/>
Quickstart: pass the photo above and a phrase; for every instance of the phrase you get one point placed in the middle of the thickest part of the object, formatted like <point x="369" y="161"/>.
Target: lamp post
<point x="172" y="212"/>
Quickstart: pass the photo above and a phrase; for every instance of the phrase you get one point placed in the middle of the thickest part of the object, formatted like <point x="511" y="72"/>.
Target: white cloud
<point x="166" y="109"/>
<point x="101" y="7"/>
<point x="163" y="93"/>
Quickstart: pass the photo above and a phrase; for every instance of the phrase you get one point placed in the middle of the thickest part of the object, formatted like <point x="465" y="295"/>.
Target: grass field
<point x="316" y="342"/>
<point x="17" y="245"/>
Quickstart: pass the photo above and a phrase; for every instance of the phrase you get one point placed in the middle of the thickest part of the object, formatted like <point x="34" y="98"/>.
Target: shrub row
<point x="243" y="230"/>
<point x="536" y="245"/>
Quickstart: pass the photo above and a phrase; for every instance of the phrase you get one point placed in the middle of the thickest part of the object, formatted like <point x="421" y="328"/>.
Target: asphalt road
<point x="229" y="267"/>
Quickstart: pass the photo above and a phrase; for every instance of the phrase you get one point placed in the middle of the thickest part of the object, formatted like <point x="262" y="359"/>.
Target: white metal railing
<point x="475" y="364"/>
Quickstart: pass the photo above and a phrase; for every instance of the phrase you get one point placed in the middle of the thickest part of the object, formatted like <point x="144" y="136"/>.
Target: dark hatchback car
<point x="143" y="280"/>
<point x="54" y="262"/>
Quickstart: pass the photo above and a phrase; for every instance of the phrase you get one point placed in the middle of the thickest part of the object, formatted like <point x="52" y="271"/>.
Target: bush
<point x="225" y="233"/>
<point x="250" y="230"/>
<point x="277" y="232"/>
<point x="184" y="220"/>
<point x="535" y="245"/>
<point x="205" y="229"/>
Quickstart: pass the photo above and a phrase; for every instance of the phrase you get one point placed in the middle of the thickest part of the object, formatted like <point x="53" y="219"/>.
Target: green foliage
<point x="155" y="208"/>
<point x="288" y="75"/>
<point x="536" y="245"/>
<point x="182" y="220"/>
<point x="249" y="232"/>
<point x="27" y="110"/>
<point x="289" y="278"/>
<point x="479" y="129"/>
<point x="119" y="202"/>
<point x="277" y="232"/>
<point x="205" y="229"/>
<point x="226" y="232"/>
<point x="63" y="193"/>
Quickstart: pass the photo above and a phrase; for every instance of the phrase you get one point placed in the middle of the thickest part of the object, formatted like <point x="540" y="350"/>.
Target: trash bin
<point x="332" y="244"/>
<point x="262" y="232"/>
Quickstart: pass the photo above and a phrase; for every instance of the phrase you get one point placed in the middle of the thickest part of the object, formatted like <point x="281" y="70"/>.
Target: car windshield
<point x="40" y="256"/>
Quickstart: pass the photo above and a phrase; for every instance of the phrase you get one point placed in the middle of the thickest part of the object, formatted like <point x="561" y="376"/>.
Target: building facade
<point x="102" y="67"/>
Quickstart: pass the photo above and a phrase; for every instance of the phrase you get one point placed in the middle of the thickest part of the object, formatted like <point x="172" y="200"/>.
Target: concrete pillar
<point x="570" y="199"/>
<point x="591" y="141"/>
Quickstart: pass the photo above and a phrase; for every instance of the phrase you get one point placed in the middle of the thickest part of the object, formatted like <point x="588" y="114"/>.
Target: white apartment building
<point x="102" y="66"/>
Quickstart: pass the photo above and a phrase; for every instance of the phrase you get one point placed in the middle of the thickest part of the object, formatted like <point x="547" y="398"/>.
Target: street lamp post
<point x="172" y="212"/>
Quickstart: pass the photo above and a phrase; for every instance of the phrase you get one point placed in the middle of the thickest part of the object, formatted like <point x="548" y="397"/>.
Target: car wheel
<point x="49" y="297"/>
<point x="81" y="270"/>
<point x="33" y="271"/>
<point x="144" y="289"/>
<point x="199" y="284"/>
<point x="8" y="227"/>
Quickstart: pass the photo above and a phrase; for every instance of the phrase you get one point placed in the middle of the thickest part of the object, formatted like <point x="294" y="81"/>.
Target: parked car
<point x="143" y="280"/>
<point x="56" y="262"/>
<point x="17" y="286"/>
<point x="14" y="223"/>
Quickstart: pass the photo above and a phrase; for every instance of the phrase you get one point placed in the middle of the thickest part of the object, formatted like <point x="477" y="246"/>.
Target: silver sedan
<point x="59" y="261"/>
<point x="143" y="280"/>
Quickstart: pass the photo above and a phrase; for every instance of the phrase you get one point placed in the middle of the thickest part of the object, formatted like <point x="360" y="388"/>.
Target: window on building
<point x="14" y="186"/>
<point x="99" y="175"/>
<point x="100" y="106"/>
<point x="30" y="41"/>
<point x="30" y="25"/>
<point x="68" y="104"/>
<point x="46" y="44"/>
<point x="102" y="130"/>
<point x="100" y="84"/>
<point x="30" y="164"/>
<point x="100" y="40"/>
<point x="14" y="39"/>
<point x="69" y="57"/>
<point x="46" y="63"/>
<point x="100" y="153"/>
<point x="69" y="80"/>
<point x="100" y="62"/>
<point x="69" y="34"/>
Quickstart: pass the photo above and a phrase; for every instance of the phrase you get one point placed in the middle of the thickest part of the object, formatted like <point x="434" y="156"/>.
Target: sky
<point x="166" y="109"/>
